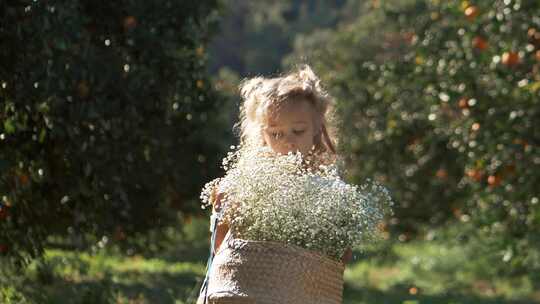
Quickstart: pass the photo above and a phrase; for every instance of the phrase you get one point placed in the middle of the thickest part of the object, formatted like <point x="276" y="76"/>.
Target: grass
<point x="426" y="272"/>
<point x="68" y="277"/>
<point x="437" y="271"/>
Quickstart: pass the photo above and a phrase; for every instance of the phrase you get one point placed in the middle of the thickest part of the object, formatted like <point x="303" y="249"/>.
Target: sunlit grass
<point x="69" y="277"/>
<point x="437" y="271"/>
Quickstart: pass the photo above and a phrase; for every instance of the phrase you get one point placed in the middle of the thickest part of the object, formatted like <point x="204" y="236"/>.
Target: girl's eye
<point x="298" y="132"/>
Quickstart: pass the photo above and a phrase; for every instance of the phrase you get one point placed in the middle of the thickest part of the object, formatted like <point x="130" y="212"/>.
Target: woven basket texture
<point x="266" y="272"/>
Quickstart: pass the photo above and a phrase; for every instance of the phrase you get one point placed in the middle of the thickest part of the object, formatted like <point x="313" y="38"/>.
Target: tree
<point x="439" y="101"/>
<point x="255" y="35"/>
<point x="106" y="118"/>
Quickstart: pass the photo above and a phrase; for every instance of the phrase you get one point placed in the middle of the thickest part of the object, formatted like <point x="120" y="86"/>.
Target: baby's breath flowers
<point x="297" y="200"/>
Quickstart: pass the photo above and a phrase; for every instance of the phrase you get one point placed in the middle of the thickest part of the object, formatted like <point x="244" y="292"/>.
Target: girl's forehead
<point x="277" y="123"/>
<point x="291" y="112"/>
<point x="289" y="118"/>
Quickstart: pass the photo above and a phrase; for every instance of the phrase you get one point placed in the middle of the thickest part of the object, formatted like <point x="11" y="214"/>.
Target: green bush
<point x="9" y="295"/>
<point x="439" y="100"/>
<point x="106" y="118"/>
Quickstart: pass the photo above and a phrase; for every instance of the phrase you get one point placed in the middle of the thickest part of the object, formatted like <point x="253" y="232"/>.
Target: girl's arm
<point x="221" y="229"/>
<point x="347" y="256"/>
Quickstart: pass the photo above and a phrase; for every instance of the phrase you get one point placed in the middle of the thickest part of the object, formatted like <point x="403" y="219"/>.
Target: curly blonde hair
<point x="261" y="96"/>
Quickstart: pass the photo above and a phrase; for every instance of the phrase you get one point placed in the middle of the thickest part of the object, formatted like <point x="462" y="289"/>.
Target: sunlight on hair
<point x="262" y="95"/>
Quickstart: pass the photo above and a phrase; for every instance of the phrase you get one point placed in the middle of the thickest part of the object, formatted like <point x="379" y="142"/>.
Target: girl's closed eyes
<point x="279" y="134"/>
<point x="291" y="128"/>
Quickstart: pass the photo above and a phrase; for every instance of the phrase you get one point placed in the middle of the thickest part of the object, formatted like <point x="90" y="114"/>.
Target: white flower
<point x="297" y="200"/>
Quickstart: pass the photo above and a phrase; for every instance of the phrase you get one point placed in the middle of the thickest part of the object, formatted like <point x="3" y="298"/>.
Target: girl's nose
<point x="288" y="138"/>
<point x="289" y="145"/>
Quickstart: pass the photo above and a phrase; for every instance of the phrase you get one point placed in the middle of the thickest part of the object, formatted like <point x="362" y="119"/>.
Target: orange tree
<point x="440" y="100"/>
<point x="105" y="112"/>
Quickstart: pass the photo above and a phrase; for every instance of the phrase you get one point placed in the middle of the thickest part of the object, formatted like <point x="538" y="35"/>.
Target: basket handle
<point x="214" y="220"/>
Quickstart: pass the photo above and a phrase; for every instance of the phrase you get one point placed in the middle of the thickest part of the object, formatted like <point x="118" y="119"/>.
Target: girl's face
<point x="291" y="128"/>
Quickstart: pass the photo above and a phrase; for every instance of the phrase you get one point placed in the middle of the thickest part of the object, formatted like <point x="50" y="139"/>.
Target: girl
<point x="288" y="114"/>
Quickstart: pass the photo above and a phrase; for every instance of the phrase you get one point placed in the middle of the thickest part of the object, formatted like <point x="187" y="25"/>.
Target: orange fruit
<point x="130" y="22"/>
<point x="494" y="180"/>
<point x="442" y="173"/>
<point x="510" y="58"/>
<point x="531" y="33"/>
<point x="475" y="174"/>
<point x="471" y="12"/>
<point x="463" y="103"/>
<point x="480" y="43"/>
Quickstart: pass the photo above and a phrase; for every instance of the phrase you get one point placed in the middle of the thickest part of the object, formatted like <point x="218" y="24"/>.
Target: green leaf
<point x="9" y="127"/>
<point x="42" y="135"/>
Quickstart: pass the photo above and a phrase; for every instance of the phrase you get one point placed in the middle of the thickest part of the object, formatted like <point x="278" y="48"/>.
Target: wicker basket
<point x="264" y="272"/>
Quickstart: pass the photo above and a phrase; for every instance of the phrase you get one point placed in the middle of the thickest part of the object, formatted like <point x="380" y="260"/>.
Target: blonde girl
<point x="289" y="113"/>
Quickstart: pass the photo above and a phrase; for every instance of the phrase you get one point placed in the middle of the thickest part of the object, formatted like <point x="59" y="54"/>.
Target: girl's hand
<point x="221" y="229"/>
<point x="347" y="256"/>
<point x="216" y="202"/>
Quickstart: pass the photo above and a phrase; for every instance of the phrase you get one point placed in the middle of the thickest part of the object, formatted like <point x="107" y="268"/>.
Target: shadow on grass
<point x="132" y="286"/>
<point x="193" y="253"/>
<point x="172" y="288"/>
<point x="400" y="294"/>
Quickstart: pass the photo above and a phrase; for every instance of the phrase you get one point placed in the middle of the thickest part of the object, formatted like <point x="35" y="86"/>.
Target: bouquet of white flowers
<point x="291" y="199"/>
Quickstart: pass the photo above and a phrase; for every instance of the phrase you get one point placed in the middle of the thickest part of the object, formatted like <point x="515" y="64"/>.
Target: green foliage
<point x="255" y="35"/>
<point x="444" y="268"/>
<point x="9" y="295"/>
<point x="106" y="118"/>
<point x="109" y="276"/>
<point x="439" y="100"/>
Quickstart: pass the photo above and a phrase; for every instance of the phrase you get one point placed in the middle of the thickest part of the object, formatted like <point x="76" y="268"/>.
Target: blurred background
<point x="114" y="114"/>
